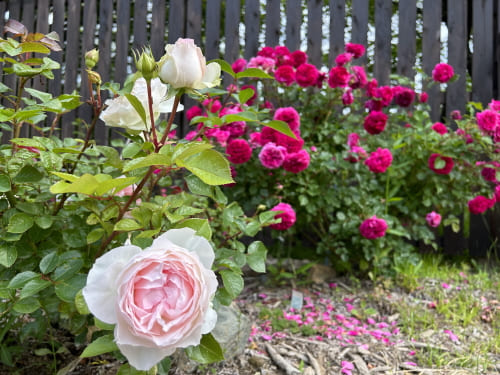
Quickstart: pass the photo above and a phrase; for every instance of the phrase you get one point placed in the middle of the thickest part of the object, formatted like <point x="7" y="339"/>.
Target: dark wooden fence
<point x="399" y="34"/>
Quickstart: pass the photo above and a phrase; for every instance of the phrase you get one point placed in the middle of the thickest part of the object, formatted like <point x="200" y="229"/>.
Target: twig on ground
<point x="315" y="364"/>
<point x="360" y="364"/>
<point x="280" y="361"/>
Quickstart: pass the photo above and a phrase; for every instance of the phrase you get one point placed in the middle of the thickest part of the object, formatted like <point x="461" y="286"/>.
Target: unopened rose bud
<point x="94" y="77"/>
<point x="91" y="58"/>
<point x="261" y="207"/>
<point x="146" y="64"/>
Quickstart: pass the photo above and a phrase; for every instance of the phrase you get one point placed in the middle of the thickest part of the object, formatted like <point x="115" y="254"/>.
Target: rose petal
<point x="100" y="293"/>
<point x="144" y="358"/>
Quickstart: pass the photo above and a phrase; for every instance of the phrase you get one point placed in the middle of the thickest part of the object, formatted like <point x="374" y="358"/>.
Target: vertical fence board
<point x="28" y="20"/>
<point x="383" y="53"/>
<point x="212" y="30"/>
<point x="193" y="21"/>
<point x="232" y="24"/>
<point x="407" y="38"/>
<point x="293" y="21"/>
<point x="58" y="27"/>
<point x="431" y="46"/>
<point x="42" y="16"/>
<point x="140" y="25"/>
<point x="15" y="14"/>
<point x="337" y="27"/>
<point x="176" y="20"/>
<point x="314" y="31"/>
<point x="157" y="28"/>
<point x="252" y="28"/>
<point x="360" y="25"/>
<point x="123" y="50"/>
<point x="71" y="60"/>
<point x="5" y="135"/>
<point x="482" y="59"/>
<point x="273" y="22"/>
<point x="456" y="95"/>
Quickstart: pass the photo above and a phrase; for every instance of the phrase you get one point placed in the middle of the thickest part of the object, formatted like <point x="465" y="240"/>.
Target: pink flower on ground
<point x="272" y="156"/>
<point x="375" y="122"/>
<point x="373" y="228"/>
<point x="296" y="161"/>
<point x="487" y="120"/>
<point x="239" y="65"/>
<point x="357" y="50"/>
<point x="433" y="219"/>
<point x="445" y="169"/>
<point x="297" y="58"/>
<point x="451" y="335"/>
<point x="379" y="160"/>
<point x="159" y="298"/>
<point x="306" y="75"/>
<point x="347" y="367"/>
<point x="285" y="74"/>
<point x="238" y="151"/>
<point x="442" y="73"/>
<point x="440" y="128"/>
<point x="287" y="217"/>
<point x="338" y="77"/>
<point x="290" y="116"/>
<point x="480" y="204"/>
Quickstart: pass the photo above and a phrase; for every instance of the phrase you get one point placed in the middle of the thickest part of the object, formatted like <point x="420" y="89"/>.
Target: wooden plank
<point x="431" y="45"/>
<point x="71" y="61"/>
<point x="232" y="25"/>
<point x="293" y="22"/>
<point x="360" y="13"/>
<point x="337" y="27"/>
<point x="252" y="28"/>
<point x="140" y="25"/>
<point x="212" y="30"/>
<point x="123" y="50"/>
<point x="273" y="22"/>
<point x="42" y="16"/>
<point x="176" y="20"/>
<point x="5" y="135"/>
<point x="482" y="59"/>
<point x="383" y="53"/>
<point x="28" y="14"/>
<point x="88" y="39"/>
<point x="314" y="31"/>
<point x="15" y="14"/>
<point x="55" y="87"/>
<point x="157" y="28"/>
<point x="193" y="21"/>
<point x="456" y="95"/>
<point x="407" y="38"/>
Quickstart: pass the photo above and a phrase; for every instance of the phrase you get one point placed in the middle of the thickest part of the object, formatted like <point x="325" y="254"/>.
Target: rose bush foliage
<point x="142" y="225"/>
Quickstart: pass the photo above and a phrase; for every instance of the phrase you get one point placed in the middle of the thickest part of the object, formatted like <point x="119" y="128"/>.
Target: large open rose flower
<point x="120" y="113"/>
<point x="159" y="298"/>
<point x="184" y="66"/>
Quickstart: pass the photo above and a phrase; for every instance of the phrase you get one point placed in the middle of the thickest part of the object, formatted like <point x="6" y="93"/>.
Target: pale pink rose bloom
<point x="159" y="298"/>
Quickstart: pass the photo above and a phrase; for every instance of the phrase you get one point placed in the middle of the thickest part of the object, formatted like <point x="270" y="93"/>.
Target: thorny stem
<point x="170" y="119"/>
<point x="151" y="113"/>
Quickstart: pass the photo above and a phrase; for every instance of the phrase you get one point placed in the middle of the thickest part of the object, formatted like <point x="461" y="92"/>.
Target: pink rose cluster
<point x="442" y="73"/>
<point x="373" y="228"/>
<point x="286" y="214"/>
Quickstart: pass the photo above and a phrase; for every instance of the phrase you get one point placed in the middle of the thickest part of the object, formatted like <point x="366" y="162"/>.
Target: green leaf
<point x="51" y="161"/>
<point x="439" y="163"/>
<point x="33" y="287"/>
<point x="85" y="184"/>
<point x="43" y="96"/>
<point x="26" y="305"/>
<point x="80" y="304"/>
<point x="201" y="226"/>
<point x="130" y="150"/>
<point x="245" y="95"/>
<point x="240" y="116"/>
<point x="8" y="255"/>
<point x="198" y="187"/>
<point x="280" y="126"/>
<point x="21" y="279"/>
<point x="252" y="73"/>
<point x="20" y="223"/>
<point x="28" y="174"/>
<point x="256" y="256"/>
<point x="225" y="66"/>
<point x="210" y="166"/>
<point x="67" y="269"/>
<point x="34" y="47"/>
<point x="117" y="184"/>
<point x="49" y="262"/>
<point x="147" y="161"/>
<point x="233" y="282"/>
<point x="4" y="183"/>
<point x="66" y="290"/>
<point x="101" y="345"/>
<point x="95" y="235"/>
<point x="185" y="150"/>
<point x="136" y="103"/>
<point x="127" y="225"/>
<point x="209" y="350"/>
<point x="44" y="222"/>
<point x="252" y="228"/>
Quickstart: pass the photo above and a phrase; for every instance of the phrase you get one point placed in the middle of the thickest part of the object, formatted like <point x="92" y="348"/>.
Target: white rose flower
<point x="184" y="66"/>
<point x="120" y="113"/>
<point x="159" y="298"/>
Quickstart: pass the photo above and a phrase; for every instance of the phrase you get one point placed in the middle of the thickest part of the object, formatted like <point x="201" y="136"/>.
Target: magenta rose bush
<point x="366" y="165"/>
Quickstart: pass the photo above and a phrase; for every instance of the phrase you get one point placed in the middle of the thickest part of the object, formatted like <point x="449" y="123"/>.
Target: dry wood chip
<point x="315" y="364"/>
<point x="380" y="369"/>
<point x="360" y="364"/>
<point x="280" y="361"/>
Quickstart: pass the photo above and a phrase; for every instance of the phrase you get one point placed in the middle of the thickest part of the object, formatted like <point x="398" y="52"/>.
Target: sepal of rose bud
<point x="94" y="77"/>
<point x="146" y="64"/>
<point x="91" y="58"/>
